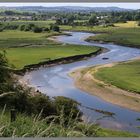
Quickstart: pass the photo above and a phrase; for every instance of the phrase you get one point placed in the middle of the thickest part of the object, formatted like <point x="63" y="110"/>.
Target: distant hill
<point x="65" y="9"/>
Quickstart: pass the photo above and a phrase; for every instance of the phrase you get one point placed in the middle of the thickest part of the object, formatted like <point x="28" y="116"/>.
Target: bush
<point x="42" y="103"/>
<point x="138" y="23"/>
<point x="54" y="27"/>
<point x="37" y="29"/>
<point x="26" y="27"/>
<point x="68" y="106"/>
<point x="22" y="27"/>
<point x="44" y="29"/>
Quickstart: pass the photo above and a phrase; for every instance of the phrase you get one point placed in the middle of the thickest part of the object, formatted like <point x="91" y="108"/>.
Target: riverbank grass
<point x="125" y="75"/>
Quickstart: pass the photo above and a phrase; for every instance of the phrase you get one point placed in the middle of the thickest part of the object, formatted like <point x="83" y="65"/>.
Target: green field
<point x="124" y="75"/>
<point x="123" y="33"/>
<point x="124" y="36"/>
<point x="32" y="55"/>
<point x="128" y="24"/>
<point x="37" y="23"/>
<point x="15" y="38"/>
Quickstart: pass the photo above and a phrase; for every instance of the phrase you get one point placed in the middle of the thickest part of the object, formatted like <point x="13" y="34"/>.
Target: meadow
<point x="24" y="48"/>
<point x="16" y="38"/>
<point x="124" y="75"/>
<point x="20" y="57"/>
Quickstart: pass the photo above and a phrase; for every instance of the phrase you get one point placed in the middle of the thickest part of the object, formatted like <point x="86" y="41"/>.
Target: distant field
<point x="129" y="24"/>
<point x="123" y="33"/>
<point x="38" y="23"/>
<point x="125" y="75"/>
<point x="15" y="38"/>
<point x="124" y="36"/>
<point x="96" y="29"/>
<point x="20" y="57"/>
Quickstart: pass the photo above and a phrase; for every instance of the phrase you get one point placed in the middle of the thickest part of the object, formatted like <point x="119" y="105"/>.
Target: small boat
<point x="105" y="58"/>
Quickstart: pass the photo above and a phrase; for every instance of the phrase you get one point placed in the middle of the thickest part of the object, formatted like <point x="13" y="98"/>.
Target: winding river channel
<point x="54" y="81"/>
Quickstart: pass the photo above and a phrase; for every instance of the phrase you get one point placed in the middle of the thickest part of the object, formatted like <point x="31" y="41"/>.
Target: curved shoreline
<point x="85" y="81"/>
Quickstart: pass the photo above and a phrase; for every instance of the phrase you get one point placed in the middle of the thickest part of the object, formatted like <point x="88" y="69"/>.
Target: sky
<point x="121" y="5"/>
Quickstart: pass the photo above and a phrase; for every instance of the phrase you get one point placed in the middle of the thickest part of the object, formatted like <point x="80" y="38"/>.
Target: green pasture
<point x="124" y="75"/>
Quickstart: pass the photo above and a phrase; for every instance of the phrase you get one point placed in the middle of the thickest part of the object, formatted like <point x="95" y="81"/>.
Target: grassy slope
<point x="26" y="126"/>
<point x="125" y="75"/>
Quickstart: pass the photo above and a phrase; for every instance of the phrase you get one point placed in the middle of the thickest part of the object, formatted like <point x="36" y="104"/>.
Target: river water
<point x="54" y="81"/>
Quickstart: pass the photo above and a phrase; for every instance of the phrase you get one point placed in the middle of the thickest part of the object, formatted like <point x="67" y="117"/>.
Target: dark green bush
<point x="37" y="29"/>
<point x="22" y="27"/>
<point x="26" y="27"/>
<point x="68" y="106"/>
<point x="45" y="29"/>
<point x="54" y="27"/>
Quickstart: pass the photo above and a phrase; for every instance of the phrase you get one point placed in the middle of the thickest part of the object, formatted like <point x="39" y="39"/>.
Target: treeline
<point x="24" y="100"/>
<point x="29" y="27"/>
<point x="112" y="16"/>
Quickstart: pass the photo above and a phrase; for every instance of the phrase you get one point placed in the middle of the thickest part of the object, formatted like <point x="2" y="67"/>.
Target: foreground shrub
<point x="68" y="106"/>
<point x="34" y="126"/>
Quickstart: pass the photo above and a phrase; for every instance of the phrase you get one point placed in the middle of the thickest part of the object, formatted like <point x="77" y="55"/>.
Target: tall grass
<point x="51" y="126"/>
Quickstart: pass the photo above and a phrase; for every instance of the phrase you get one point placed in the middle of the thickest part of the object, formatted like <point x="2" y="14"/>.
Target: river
<point x="54" y="81"/>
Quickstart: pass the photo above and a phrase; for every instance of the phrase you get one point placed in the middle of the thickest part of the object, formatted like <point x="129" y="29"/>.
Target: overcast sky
<point x="121" y="5"/>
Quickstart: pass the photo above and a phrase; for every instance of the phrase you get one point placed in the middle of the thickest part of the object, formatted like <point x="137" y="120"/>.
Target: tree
<point x="137" y="17"/>
<point x="58" y="21"/>
<point x="93" y="20"/>
<point x="70" y="19"/>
